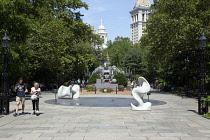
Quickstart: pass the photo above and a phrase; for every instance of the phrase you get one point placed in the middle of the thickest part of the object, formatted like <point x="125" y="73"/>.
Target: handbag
<point x="34" y="97"/>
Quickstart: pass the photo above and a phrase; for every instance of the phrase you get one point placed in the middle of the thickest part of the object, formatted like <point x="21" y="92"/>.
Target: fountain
<point x="106" y="73"/>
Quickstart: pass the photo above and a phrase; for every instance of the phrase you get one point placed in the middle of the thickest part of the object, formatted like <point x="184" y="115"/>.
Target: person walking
<point x="21" y="89"/>
<point x="35" y="103"/>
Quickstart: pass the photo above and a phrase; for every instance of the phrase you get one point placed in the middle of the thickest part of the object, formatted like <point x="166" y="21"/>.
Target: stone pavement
<point x="176" y="120"/>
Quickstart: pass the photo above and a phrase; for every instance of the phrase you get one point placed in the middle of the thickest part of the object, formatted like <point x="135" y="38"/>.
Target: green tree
<point x="93" y="78"/>
<point x="50" y="43"/>
<point x="133" y="60"/>
<point x="121" y="79"/>
<point x="171" y="35"/>
<point x="118" y="49"/>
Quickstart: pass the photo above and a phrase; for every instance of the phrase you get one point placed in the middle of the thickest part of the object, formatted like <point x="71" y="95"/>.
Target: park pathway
<point x="175" y="120"/>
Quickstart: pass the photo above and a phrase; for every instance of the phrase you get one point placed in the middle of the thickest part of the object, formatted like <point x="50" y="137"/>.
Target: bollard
<point x="148" y="95"/>
<point x="55" y="90"/>
<point x="95" y="90"/>
<point x="116" y="90"/>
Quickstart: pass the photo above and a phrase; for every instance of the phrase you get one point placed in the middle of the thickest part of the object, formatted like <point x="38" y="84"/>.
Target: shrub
<point x="66" y="83"/>
<point x="107" y="88"/>
<point x="121" y="87"/>
<point x="121" y="79"/>
<point x="207" y="115"/>
<point x="90" y="88"/>
<point x="206" y="99"/>
<point x="92" y="79"/>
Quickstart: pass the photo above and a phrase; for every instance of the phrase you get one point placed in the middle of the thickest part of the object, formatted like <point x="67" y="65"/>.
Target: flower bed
<point x="106" y="90"/>
<point x="120" y="88"/>
<point x="90" y="88"/>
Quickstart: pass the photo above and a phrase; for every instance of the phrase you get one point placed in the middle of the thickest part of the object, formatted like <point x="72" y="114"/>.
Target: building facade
<point x="103" y="34"/>
<point x="139" y="16"/>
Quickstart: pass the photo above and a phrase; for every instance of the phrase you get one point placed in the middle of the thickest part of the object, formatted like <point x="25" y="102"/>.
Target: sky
<point x="114" y="14"/>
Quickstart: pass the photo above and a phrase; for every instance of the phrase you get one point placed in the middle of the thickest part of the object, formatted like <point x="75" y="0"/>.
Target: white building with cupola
<point x="139" y="17"/>
<point x="103" y="34"/>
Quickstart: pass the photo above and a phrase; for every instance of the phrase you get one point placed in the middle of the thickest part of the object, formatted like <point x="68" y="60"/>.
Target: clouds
<point x="99" y="9"/>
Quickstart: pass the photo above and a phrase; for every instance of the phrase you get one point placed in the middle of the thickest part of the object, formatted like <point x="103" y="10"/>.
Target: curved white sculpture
<point x="69" y="91"/>
<point x="138" y="94"/>
<point x="75" y="91"/>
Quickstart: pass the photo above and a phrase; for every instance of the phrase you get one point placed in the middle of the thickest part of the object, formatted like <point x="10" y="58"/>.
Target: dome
<point x="101" y="27"/>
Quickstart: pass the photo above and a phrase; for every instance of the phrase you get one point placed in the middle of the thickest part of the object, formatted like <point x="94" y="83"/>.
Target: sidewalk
<point x="176" y="120"/>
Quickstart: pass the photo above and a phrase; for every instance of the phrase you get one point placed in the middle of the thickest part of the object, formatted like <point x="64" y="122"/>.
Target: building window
<point x="137" y="17"/>
<point x="142" y="17"/>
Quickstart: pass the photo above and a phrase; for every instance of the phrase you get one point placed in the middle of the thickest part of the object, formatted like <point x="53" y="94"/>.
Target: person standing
<point x="83" y="83"/>
<point x="35" y="103"/>
<point x="78" y="81"/>
<point x="133" y="84"/>
<point x="21" y="89"/>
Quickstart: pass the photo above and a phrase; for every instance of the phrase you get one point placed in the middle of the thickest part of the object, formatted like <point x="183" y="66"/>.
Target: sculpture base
<point x="145" y="106"/>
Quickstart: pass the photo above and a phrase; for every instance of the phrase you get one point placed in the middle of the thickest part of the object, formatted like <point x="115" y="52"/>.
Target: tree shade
<point x="50" y="43"/>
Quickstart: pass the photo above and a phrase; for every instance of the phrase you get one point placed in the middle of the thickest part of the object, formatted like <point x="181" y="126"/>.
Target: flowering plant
<point x="90" y="88"/>
<point x="120" y="88"/>
<point x="106" y="89"/>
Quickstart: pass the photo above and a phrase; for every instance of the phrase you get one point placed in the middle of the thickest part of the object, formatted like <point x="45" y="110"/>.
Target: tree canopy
<point x="172" y="34"/>
<point x="50" y="43"/>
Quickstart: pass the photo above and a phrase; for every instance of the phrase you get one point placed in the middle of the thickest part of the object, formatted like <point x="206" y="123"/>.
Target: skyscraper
<point x="139" y="16"/>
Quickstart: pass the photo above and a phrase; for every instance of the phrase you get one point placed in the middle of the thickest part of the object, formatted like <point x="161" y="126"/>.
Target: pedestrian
<point x="133" y="84"/>
<point x="79" y="81"/>
<point x="72" y="82"/>
<point x="20" y="89"/>
<point x="83" y="83"/>
<point x="35" y="103"/>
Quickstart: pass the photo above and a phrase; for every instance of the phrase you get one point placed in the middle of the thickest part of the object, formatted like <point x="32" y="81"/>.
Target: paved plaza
<point x="172" y="118"/>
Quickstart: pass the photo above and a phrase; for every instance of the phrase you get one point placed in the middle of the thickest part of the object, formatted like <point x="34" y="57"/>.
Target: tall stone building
<point x="139" y="16"/>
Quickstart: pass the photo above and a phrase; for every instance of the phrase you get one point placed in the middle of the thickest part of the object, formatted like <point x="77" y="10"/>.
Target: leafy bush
<point x="121" y="79"/>
<point x="66" y="83"/>
<point x="90" y="88"/>
<point x="108" y="90"/>
<point x="121" y="87"/>
<point x="92" y="79"/>
<point x="207" y="115"/>
<point x="206" y="100"/>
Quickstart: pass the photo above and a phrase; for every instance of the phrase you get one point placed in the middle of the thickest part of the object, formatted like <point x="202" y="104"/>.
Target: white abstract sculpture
<point x="69" y="91"/>
<point x="138" y="94"/>
<point x="76" y="91"/>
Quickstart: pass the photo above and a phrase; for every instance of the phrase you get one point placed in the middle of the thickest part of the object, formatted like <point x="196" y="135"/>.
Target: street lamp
<point x="4" y="95"/>
<point x="203" y="45"/>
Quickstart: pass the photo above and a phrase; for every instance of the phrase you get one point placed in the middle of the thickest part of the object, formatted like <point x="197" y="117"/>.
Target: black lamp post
<point x="4" y="95"/>
<point x="203" y="45"/>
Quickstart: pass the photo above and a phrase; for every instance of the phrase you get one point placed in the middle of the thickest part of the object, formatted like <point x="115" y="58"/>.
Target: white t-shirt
<point x="33" y="89"/>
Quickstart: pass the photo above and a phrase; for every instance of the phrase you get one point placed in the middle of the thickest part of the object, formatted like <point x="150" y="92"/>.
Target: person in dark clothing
<point x="21" y="89"/>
